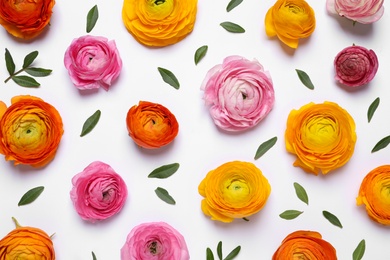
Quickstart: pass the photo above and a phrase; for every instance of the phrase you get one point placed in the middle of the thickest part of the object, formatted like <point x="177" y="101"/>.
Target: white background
<point x="199" y="146"/>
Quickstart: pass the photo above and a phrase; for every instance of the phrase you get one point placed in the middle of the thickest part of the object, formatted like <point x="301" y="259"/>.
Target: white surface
<point x="199" y="146"/>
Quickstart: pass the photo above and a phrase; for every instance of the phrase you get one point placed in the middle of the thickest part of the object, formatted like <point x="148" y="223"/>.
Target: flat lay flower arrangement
<point x="189" y="129"/>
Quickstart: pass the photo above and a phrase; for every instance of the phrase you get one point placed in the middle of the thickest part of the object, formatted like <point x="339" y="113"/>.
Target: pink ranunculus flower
<point x="239" y="93"/>
<point x="355" y="66"/>
<point x="92" y="61"/>
<point x="98" y="192"/>
<point x="154" y="240"/>
<point x="361" y="11"/>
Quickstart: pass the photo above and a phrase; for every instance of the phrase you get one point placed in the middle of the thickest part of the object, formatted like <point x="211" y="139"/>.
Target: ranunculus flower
<point x="30" y="131"/>
<point x="305" y="245"/>
<point x="290" y="20"/>
<point x="355" y="66"/>
<point x="154" y="240"/>
<point x="374" y="194"/>
<point x="322" y="136"/>
<point x="98" y="192"/>
<point x="159" y="23"/>
<point x="26" y="243"/>
<point x="25" y="18"/>
<point x="151" y="125"/>
<point x="362" y="11"/>
<point x="92" y="61"/>
<point x="234" y="190"/>
<point x="239" y="93"/>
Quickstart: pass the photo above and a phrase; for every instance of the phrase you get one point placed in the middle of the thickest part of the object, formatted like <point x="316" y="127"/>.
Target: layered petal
<point x="362" y="11"/>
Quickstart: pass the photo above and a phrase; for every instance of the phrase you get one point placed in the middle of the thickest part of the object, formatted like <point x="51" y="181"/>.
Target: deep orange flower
<point x="151" y="125"/>
<point x="374" y="194"/>
<point x="25" y="18"/>
<point x="30" y="131"/>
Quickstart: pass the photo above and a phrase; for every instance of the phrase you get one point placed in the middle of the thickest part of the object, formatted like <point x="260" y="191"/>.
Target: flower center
<point x="159" y="2"/>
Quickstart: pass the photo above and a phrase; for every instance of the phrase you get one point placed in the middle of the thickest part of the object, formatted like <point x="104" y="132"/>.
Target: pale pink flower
<point x="239" y="93"/>
<point x="361" y="11"/>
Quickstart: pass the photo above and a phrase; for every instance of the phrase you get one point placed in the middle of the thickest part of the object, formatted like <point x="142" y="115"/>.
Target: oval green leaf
<point x="290" y="214"/>
<point x="164" y="171"/>
<point x="232" y="27"/>
<point x="233" y="253"/>
<point x="92" y="17"/>
<point x="31" y="195"/>
<point x="93" y="256"/>
<point x="9" y="62"/>
<point x="169" y="77"/>
<point x="29" y="59"/>
<point x="200" y="53"/>
<point x="305" y="79"/>
<point x="264" y="147"/>
<point x="164" y="195"/>
<point x="359" y="250"/>
<point x="25" y="81"/>
<point x="372" y="108"/>
<point x="90" y="123"/>
<point x="38" y="72"/>
<point x="209" y="254"/>
<point x="219" y="250"/>
<point x="381" y="144"/>
<point x="232" y="4"/>
<point x="301" y="193"/>
<point x="332" y="218"/>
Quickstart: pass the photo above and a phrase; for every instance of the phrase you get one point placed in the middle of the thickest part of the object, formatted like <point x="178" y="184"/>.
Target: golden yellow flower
<point x="322" y="136"/>
<point x="234" y="190"/>
<point x="374" y="193"/>
<point x="290" y="20"/>
<point x="159" y="22"/>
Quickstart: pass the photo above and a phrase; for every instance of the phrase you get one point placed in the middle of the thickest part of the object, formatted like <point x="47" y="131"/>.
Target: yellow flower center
<point x="236" y="190"/>
<point x="320" y="133"/>
<point x="159" y="9"/>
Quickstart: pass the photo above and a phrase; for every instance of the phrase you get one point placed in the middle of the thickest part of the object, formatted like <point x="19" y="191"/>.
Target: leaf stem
<point x="16" y="73"/>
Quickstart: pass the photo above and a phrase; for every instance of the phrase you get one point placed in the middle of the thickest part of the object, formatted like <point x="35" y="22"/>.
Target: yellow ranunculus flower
<point x="322" y="136"/>
<point x="374" y="193"/>
<point x="234" y="190"/>
<point x="290" y="20"/>
<point x="159" y="22"/>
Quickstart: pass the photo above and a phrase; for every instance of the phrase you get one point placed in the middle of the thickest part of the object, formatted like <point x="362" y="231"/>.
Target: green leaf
<point x="381" y="144"/>
<point x="200" y="53"/>
<point x="290" y="214"/>
<point x="209" y="254"/>
<point x="301" y="193"/>
<point x="359" y="250"/>
<point x="332" y="218"/>
<point x="233" y="253"/>
<point x="31" y="195"/>
<point x="164" y="195"/>
<point x="232" y="4"/>
<point x="25" y="81"/>
<point x="164" y="171"/>
<point x="9" y="62"/>
<point x="232" y="27"/>
<point x="169" y="77"/>
<point x="219" y="250"/>
<point x="93" y="256"/>
<point x="92" y="17"/>
<point x="305" y="79"/>
<point x="264" y="147"/>
<point x="372" y="108"/>
<point x="29" y="59"/>
<point x="38" y="72"/>
<point x="90" y="123"/>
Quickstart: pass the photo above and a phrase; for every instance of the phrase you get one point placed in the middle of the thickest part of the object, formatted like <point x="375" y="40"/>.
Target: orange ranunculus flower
<point x="305" y="245"/>
<point x="374" y="194"/>
<point x="151" y="125"/>
<point x="25" y="18"/>
<point x="322" y="136"/>
<point x="30" y="131"/>
<point x="234" y="190"/>
<point x="159" y="23"/>
<point x="290" y="20"/>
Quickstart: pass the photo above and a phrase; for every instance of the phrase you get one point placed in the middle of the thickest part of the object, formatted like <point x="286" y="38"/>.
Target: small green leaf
<point x="305" y="79"/>
<point x="332" y="218"/>
<point x="38" y="72"/>
<point x="232" y="27"/>
<point x="31" y="195"/>
<point x="233" y="253"/>
<point x="264" y="147"/>
<point x="164" y="195"/>
<point x="290" y="214"/>
<point x="200" y="53"/>
<point x="92" y="17"/>
<point x="372" y="108"/>
<point x="381" y="144"/>
<point x="232" y="4"/>
<point x="209" y="254"/>
<point x="9" y="62"/>
<point x="90" y="123"/>
<point x="25" y="81"/>
<point x="301" y="193"/>
<point x="219" y="250"/>
<point x="164" y="171"/>
<point x="93" y="256"/>
<point x="29" y="59"/>
<point x="169" y="77"/>
<point x="359" y="250"/>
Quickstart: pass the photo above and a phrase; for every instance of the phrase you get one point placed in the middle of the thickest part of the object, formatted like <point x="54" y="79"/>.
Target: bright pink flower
<point x="239" y="92"/>
<point x="92" y="61"/>
<point x="98" y="192"/>
<point x="154" y="240"/>
<point x="361" y="11"/>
